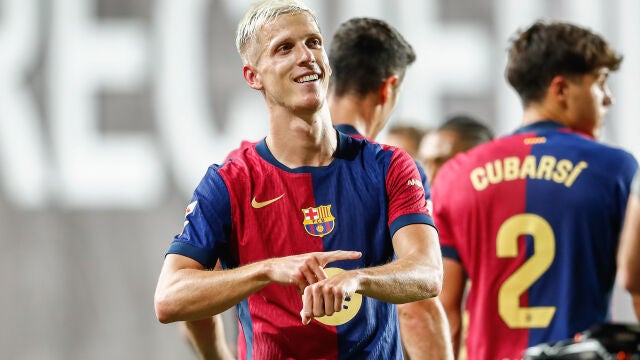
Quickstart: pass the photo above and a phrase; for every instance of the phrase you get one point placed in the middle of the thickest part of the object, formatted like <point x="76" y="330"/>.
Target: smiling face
<point x="588" y="100"/>
<point x="289" y="65"/>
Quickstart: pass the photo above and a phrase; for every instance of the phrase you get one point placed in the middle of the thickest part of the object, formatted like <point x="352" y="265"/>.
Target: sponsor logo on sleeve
<point x="414" y="182"/>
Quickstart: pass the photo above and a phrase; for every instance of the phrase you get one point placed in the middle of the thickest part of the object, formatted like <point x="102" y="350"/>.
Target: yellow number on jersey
<point x="349" y="309"/>
<point x="544" y="243"/>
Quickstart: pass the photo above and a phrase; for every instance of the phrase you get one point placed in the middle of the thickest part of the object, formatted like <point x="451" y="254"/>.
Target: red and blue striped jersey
<point x="252" y="208"/>
<point x="353" y="132"/>
<point x="534" y="220"/>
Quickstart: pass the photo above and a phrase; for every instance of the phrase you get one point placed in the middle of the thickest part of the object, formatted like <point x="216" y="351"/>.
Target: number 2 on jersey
<point x="544" y="245"/>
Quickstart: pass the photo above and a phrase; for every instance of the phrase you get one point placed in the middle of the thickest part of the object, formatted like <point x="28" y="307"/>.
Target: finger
<point x="309" y="275"/>
<point x="319" y="273"/>
<point x="338" y="300"/>
<point x="307" y="312"/>
<point x="305" y="316"/>
<point x="318" y="301"/>
<point x="331" y="256"/>
<point x="330" y="301"/>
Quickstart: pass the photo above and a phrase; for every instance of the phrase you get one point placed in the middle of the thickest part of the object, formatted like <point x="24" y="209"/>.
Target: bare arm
<point x="417" y="272"/>
<point x="628" y="264"/>
<point x="424" y="330"/>
<point x="451" y="297"/>
<point x="207" y="338"/>
<point x="186" y="291"/>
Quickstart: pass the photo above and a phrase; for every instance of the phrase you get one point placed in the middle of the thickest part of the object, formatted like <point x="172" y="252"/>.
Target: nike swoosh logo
<point x="257" y="205"/>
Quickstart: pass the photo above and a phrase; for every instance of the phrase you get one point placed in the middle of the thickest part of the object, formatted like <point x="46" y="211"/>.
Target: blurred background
<point x="111" y="111"/>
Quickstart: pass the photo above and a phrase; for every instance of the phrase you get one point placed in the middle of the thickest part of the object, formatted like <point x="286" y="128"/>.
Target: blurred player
<point x="457" y="134"/>
<point x="405" y="137"/>
<point x="628" y="262"/>
<point x="369" y="59"/>
<point x="305" y="197"/>
<point x="533" y="218"/>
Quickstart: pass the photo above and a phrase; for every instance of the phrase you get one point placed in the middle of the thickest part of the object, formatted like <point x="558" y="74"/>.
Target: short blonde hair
<point x="259" y="14"/>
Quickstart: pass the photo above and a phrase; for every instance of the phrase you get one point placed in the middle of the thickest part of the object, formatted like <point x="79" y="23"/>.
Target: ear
<point x="558" y="89"/>
<point x="252" y="77"/>
<point x="388" y="88"/>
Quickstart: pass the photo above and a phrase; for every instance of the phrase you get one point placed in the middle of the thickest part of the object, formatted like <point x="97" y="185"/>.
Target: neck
<point x="307" y="140"/>
<point x="359" y="112"/>
<point x="536" y="112"/>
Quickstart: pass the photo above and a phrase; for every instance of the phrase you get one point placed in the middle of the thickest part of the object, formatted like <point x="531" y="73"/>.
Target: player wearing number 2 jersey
<point x="533" y="218"/>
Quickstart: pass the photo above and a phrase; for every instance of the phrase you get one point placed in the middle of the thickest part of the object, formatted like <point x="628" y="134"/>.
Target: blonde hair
<point x="259" y="14"/>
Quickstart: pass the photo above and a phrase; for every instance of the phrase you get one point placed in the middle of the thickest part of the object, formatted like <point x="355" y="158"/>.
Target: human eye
<point x="314" y="43"/>
<point x="284" y="48"/>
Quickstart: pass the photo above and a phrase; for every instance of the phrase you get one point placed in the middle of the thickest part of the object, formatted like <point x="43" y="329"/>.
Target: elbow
<point x="437" y="282"/>
<point x="433" y="283"/>
<point x="628" y="281"/>
<point x="165" y="310"/>
<point x="436" y="289"/>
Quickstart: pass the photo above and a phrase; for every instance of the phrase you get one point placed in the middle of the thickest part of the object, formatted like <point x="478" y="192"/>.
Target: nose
<point x="305" y="55"/>
<point x="608" y="97"/>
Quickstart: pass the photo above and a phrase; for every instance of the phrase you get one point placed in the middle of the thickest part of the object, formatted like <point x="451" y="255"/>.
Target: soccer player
<point x="457" y="134"/>
<point x="364" y="49"/>
<point x="533" y="218"/>
<point x="369" y="59"/>
<point x="306" y="222"/>
<point x="628" y="264"/>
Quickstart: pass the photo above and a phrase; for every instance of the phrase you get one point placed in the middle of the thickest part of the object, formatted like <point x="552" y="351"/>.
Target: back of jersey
<point x="534" y="219"/>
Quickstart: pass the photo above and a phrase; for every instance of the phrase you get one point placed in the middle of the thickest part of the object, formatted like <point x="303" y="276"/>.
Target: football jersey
<point x="353" y="132"/>
<point x="253" y="208"/>
<point x="534" y="220"/>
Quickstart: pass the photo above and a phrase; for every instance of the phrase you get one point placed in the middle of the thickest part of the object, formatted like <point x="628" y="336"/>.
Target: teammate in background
<point x="369" y="59"/>
<point x="628" y="264"/>
<point x="457" y="134"/>
<point x="533" y="218"/>
<point x="405" y="137"/>
<point x="285" y="208"/>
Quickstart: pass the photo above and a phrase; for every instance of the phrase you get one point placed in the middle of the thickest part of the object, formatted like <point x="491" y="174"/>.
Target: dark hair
<point x="470" y="132"/>
<point x="364" y="52"/>
<point x="546" y="50"/>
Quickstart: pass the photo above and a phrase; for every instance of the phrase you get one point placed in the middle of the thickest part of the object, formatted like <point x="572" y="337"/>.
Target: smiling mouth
<point x="307" y="78"/>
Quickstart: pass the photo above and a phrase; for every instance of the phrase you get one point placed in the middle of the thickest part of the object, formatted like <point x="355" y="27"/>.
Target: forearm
<point x="401" y="281"/>
<point x="454" y="320"/>
<point x="207" y="338"/>
<point x="415" y="275"/>
<point x="424" y="330"/>
<point x="191" y="294"/>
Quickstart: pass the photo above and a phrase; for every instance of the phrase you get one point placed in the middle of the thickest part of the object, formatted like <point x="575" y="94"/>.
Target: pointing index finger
<point x="331" y="256"/>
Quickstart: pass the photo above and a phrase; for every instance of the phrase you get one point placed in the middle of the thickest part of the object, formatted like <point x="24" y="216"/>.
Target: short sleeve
<point x="207" y="222"/>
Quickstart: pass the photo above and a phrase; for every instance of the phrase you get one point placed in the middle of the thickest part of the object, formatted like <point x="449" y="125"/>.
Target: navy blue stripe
<point x="544" y="125"/>
<point x="409" y="219"/>
<point x="204" y="257"/>
<point x="450" y="252"/>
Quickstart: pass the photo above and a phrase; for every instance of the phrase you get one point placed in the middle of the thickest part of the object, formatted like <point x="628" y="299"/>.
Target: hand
<point x="306" y="269"/>
<point x="327" y="296"/>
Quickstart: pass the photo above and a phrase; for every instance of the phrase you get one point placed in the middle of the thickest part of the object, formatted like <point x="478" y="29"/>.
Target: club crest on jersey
<point x="318" y="221"/>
